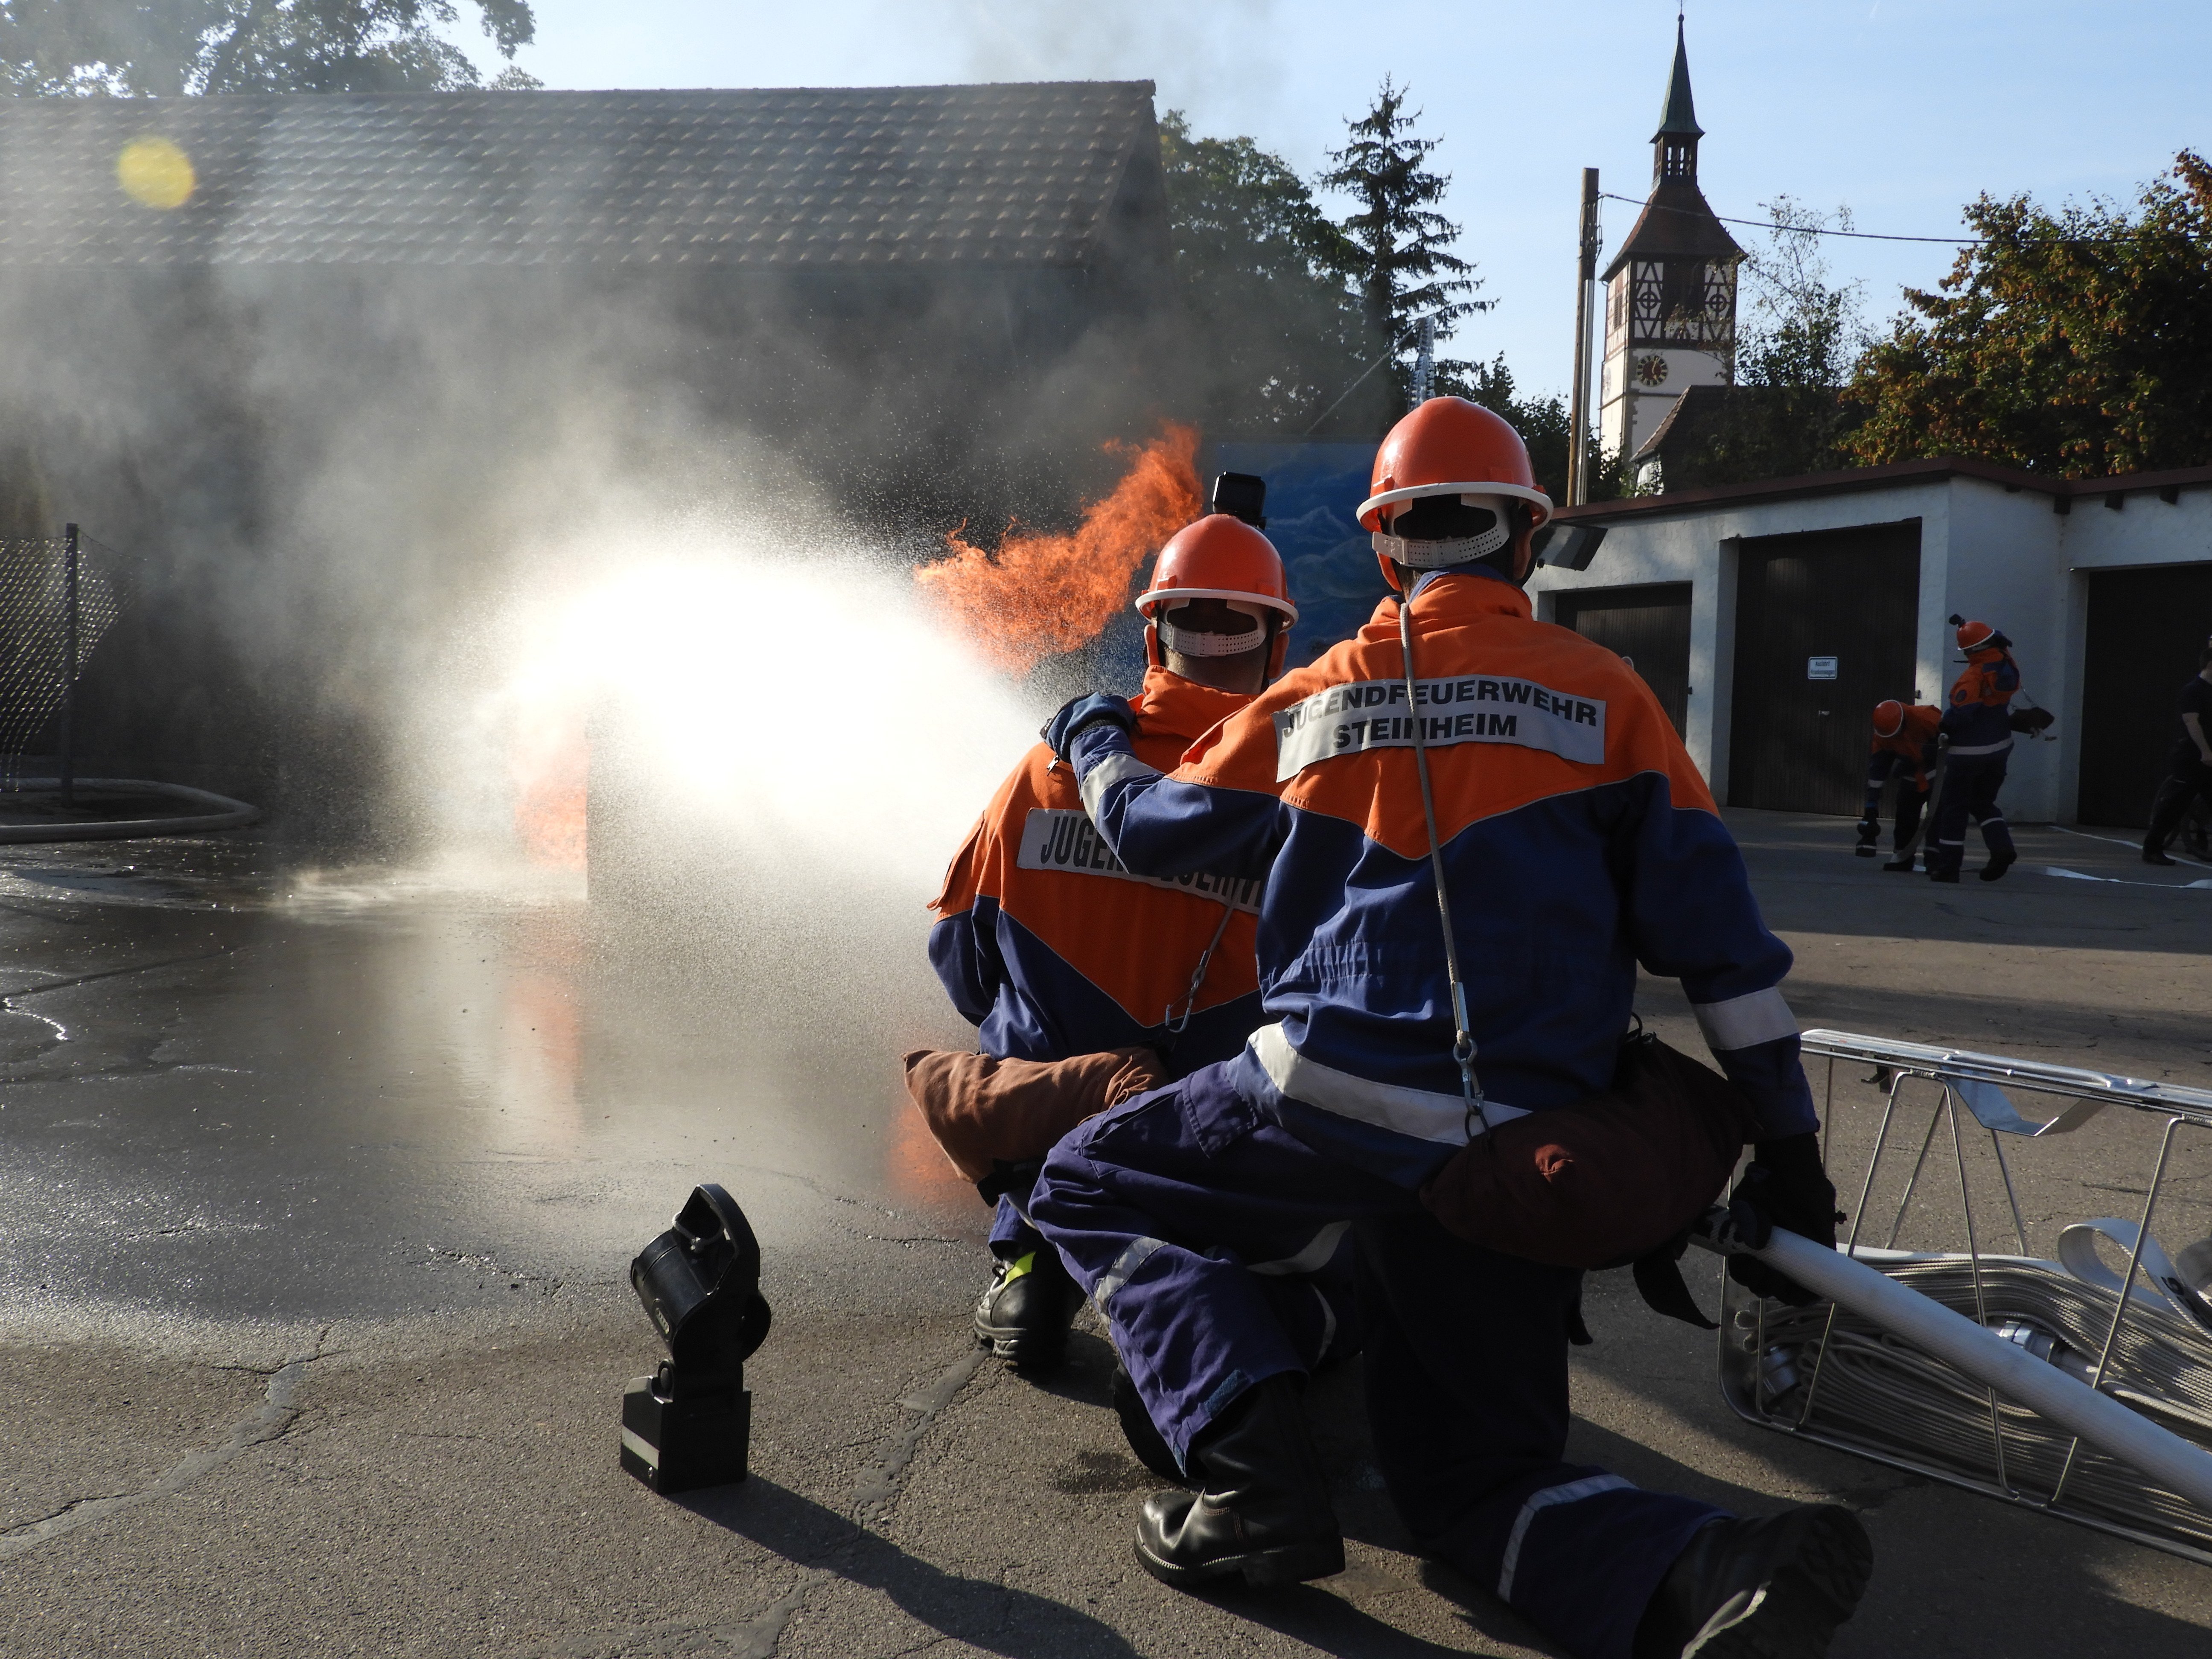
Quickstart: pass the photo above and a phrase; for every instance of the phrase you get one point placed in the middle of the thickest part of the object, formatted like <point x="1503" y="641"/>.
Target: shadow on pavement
<point x="982" y="1613"/>
<point x="1333" y="1624"/>
<point x="1953" y="1573"/>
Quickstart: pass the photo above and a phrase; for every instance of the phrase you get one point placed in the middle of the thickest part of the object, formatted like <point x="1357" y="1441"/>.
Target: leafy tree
<point x="170" y="48"/>
<point x="1800" y="334"/>
<point x="2077" y="342"/>
<point x="1544" y="424"/>
<point x="1260" y="270"/>
<point x="1803" y="331"/>
<point x="1403" y="265"/>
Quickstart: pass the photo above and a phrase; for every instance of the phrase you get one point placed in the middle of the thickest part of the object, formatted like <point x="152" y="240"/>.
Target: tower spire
<point x="1674" y="146"/>
<point x="1670" y="298"/>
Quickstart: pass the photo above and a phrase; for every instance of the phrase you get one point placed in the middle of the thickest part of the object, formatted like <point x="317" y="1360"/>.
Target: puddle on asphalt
<point x="353" y="1058"/>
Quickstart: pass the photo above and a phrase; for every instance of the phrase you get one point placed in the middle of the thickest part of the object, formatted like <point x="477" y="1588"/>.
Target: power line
<point x="1863" y="235"/>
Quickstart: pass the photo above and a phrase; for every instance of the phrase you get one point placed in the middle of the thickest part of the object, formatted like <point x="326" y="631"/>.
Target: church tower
<point x="1670" y="291"/>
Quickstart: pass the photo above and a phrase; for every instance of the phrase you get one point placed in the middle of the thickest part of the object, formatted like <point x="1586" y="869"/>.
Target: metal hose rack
<point x="1830" y="1373"/>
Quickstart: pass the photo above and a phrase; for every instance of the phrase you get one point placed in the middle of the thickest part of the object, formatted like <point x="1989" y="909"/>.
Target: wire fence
<point x="58" y="597"/>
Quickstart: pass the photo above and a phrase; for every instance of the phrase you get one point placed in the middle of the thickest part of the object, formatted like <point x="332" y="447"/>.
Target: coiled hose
<point x="1876" y="1389"/>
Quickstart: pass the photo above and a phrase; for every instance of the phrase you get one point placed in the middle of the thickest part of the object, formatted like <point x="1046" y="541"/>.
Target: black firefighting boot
<point x="2000" y="861"/>
<point x="1024" y="1315"/>
<point x="1775" y="1588"/>
<point x="1264" y="1511"/>
<point x="1869" y="833"/>
<point x="1902" y="861"/>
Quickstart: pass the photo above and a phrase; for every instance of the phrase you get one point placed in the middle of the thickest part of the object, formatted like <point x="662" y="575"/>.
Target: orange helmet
<point x="1450" y="447"/>
<point x="1976" y="635"/>
<point x="1888" y="718"/>
<point x="1218" y="557"/>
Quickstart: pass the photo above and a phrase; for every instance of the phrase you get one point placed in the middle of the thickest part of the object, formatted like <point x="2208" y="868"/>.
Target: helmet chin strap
<point x="1438" y="555"/>
<point x="1195" y="643"/>
<point x="1211" y="642"/>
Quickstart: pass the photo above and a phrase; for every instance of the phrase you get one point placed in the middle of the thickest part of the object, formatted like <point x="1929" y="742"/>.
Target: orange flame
<point x="1041" y="595"/>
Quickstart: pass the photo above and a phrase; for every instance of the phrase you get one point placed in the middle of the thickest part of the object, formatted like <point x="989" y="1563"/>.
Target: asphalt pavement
<point x="319" y="1187"/>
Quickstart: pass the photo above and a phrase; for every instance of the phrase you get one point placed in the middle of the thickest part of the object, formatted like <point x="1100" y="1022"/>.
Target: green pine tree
<point x="1402" y="262"/>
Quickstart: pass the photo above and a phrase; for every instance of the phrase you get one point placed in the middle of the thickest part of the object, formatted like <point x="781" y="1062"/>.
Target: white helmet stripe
<point x="1535" y="498"/>
<point x="1167" y="598"/>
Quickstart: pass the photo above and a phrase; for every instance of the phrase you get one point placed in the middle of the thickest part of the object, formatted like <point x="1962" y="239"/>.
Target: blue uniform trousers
<point x="1911" y="798"/>
<point x="1318" y="1311"/>
<point x="1175" y="1209"/>
<point x="1970" y="783"/>
<point x="1466" y="1367"/>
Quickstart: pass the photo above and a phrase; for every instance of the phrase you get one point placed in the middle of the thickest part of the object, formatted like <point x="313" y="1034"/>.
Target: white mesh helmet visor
<point x="1197" y="642"/>
<point x="1460" y="549"/>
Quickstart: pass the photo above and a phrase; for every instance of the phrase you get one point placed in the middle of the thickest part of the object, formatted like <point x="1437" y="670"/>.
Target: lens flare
<point x="1039" y="596"/>
<point x="155" y="173"/>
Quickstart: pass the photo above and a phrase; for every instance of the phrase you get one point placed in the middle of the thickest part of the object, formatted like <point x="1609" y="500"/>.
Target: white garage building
<point x="1771" y="618"/>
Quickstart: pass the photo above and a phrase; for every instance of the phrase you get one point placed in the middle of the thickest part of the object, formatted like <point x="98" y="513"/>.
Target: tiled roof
<point x="2063" y="492"/>
<point x="1005" y="175"/>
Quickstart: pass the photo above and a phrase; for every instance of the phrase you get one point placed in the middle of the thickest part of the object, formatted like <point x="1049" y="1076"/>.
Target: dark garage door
<point x="1825" y="624"/>
<point x="1651" y="627"/>
<point x="2146" y="628"/>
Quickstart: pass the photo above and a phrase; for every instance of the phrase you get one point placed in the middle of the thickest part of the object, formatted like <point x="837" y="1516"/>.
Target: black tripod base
<point x="682" y="1444"/>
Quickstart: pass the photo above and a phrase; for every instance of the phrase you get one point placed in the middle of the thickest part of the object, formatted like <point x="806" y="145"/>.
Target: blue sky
<point x="1902" y="111"/>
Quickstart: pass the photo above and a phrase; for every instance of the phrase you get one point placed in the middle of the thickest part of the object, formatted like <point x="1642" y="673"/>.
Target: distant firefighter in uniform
<point x="2189" y="769"/>
<point x="1904" y="748"/>
<point x="1050" y="945"/>
<point x="1979" y="727"/>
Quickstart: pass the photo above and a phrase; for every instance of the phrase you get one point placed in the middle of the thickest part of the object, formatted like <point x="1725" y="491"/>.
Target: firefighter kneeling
<point x="1477" y="826"/>
<point x="1090" y="984"/>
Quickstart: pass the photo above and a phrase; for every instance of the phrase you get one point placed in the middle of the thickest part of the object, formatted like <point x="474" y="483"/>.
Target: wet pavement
<point x="318" y="1188"/>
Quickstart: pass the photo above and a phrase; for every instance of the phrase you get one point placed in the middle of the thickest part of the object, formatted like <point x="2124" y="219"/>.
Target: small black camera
<point x="689" y="1424"/>
<point x="1240" y="495"/>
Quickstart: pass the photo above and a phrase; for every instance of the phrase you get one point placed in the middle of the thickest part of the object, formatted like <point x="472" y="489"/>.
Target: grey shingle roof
<point x="1001" y="175"/>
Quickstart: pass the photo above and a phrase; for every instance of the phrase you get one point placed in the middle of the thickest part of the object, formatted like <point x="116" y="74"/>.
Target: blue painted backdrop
<point x="1313" y="490"/>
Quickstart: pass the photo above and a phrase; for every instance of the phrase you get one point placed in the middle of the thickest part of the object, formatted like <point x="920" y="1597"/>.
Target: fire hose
<point x="1984" y="1355"/>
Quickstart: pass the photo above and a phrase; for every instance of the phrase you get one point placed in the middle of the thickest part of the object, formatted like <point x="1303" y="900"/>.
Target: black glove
<point x="1785" y="1186"/>
<point x="1086" y="710"/>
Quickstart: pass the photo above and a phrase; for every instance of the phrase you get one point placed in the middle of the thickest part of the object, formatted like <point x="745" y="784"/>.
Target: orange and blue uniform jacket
<point x="1912" y="744"/>
<point x="1577" y="838"/>
<point x="1979" y="721"/>
<point x="1049" y="944"/>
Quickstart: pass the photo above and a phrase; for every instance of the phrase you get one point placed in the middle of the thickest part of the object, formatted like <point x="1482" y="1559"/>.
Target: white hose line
<point x="221" y="813"/>
<point x="2169" y="1461"/>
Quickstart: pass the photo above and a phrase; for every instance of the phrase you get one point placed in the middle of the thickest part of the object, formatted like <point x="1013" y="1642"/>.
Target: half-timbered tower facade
<point x="1670" y="291"/>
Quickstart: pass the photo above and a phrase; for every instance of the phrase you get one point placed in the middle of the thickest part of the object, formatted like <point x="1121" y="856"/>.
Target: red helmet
<point x="1974" y="635"/>
<point x="1888" y="718"/>
<point x="1450" y="447"/>
<point x="1218" y="557"/>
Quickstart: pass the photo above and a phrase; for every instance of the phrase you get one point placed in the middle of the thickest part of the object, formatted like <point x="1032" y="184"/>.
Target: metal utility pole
<point x="68" y="665"/>
<point x="1585" y="275"/>
<point x="1425" y="366"/>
